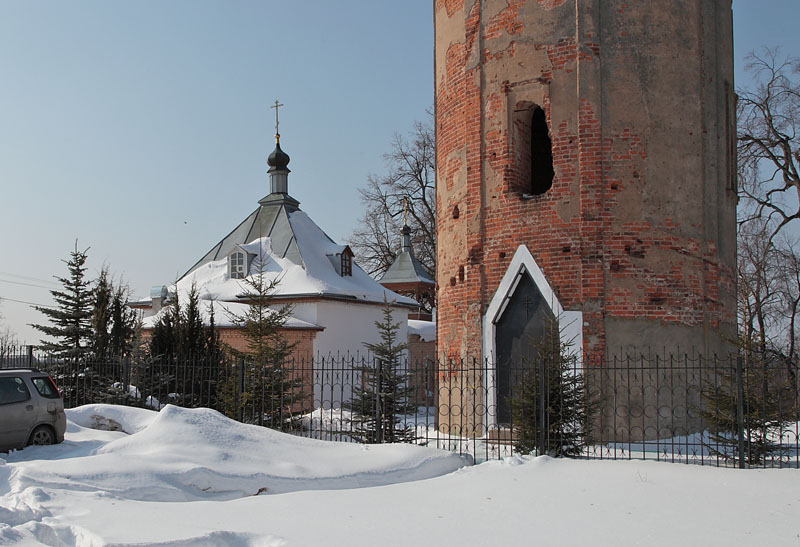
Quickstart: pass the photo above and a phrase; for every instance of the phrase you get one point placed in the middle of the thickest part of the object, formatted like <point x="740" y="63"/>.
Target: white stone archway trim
<point x="571" y="322"/>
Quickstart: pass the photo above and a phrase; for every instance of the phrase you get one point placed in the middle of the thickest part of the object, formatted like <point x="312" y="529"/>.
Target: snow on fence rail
<point x="729" y="411"/>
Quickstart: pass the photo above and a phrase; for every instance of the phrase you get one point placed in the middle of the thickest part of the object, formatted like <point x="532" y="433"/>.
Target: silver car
<point x="31" y="409"/>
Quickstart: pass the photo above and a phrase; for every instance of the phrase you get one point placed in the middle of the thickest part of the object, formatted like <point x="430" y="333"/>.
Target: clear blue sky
<point x="142" y="128"/>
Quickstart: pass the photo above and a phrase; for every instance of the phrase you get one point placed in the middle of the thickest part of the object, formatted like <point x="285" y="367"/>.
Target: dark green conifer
<point x="165" y="338"/>
<point x="193" y="338"/>
<point x="383" y="399"/>
<point x="123" y="323"/>
<point x="274" y="394"/>
<point x="102" y="297"/>
<point x="70" y="321"/>
<point x="550" y="407"/>
<point x="767" y="411"/>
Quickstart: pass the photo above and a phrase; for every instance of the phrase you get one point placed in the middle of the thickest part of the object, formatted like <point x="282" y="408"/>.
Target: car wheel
<point x="42" y="435"/>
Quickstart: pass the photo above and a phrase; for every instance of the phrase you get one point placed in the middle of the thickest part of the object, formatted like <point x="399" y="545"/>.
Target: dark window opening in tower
<point x="541" y="154"/>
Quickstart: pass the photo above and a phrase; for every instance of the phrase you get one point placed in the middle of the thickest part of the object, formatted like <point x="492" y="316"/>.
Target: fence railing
<point x="731" y="411"/>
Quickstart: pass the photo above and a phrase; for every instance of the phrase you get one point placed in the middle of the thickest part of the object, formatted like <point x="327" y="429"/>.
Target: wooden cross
<point x="275" y="106"/>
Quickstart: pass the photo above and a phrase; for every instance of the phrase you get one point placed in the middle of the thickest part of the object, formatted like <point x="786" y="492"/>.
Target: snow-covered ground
<point x="193" y="477"/>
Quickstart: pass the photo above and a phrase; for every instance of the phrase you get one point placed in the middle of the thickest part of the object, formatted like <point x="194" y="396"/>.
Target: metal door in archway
<point x="520" y="328"/>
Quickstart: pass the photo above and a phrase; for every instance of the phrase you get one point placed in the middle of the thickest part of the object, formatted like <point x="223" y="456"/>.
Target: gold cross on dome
<point x="275" y="106"/>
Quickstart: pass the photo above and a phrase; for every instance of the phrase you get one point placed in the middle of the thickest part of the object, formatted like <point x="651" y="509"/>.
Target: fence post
<point x="740" y="410"/>
<point x="240" y="390"/>
<point x="30" y="356"/>
<point x="542" y="406"/>
<point x="378" y="401"/>
<point x="126" y="379"/>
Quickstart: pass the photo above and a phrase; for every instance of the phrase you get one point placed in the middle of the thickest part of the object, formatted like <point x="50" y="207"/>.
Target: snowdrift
<point x="181" y="454"/>
<point x="192" y="477"/>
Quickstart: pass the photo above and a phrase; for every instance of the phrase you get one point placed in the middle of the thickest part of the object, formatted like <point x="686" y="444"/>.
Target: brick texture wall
<point x="422" y="367"/>
<point x="304" y="340"/>
<point x="638" y="229"/>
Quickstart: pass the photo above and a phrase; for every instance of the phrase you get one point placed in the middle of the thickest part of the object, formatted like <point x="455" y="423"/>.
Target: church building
<point x="335" y="304"/>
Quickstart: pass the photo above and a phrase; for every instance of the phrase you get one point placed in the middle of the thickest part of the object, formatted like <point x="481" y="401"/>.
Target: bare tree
<point x="768" y="149"/>
<point x="8" y="339"/>
<point x="758" y="284"/>
<point x="788" y="273"/>
<point x="410" y="176"/>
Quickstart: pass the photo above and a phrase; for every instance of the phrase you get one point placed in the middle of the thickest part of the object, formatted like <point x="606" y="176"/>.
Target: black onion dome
<point x="278" y="159"/>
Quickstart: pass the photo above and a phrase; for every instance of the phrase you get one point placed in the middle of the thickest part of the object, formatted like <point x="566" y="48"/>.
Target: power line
<point x="3" y="298"/>
<point x="29" y="278"/>
<point x="26" y="284"/>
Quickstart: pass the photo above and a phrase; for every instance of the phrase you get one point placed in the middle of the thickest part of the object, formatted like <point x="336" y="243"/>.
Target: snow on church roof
<point x="223" y="314"/>
<point x="295" y="251"/>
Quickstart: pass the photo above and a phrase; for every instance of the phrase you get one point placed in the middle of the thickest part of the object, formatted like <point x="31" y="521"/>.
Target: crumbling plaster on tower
<point x="637" y="215"/>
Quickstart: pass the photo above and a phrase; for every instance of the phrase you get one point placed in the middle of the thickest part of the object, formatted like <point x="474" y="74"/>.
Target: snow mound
<point x="217" y="538"/>
<point x="183" y="454"/>
<point x="111" y="417"/>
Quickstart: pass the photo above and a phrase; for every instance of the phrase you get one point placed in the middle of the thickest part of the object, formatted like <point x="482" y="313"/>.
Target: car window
<point x="45" y="386"/>
<point x="13" y="390"/>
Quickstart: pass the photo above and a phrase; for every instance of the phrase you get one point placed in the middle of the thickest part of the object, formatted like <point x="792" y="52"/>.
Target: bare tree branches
<point x="8" y="338"/>
<point x="768" y="149"/>
<point x="411" y="175"/>
<point x="768" y="284"/>
<point x="757" y="283"/>
<point x="768" y="263"/>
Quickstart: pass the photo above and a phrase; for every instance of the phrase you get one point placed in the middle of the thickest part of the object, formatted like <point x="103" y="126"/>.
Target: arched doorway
<point x="518" y="332"/>
<point x="523" y="306"/>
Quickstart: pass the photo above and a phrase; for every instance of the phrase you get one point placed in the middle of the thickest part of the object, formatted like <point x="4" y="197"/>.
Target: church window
<point x="541" y="153"/>
<point x="238" y="265"/>
<point x="347" y="264"/>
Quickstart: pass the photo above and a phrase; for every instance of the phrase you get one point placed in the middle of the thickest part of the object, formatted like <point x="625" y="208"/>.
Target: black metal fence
<point x="731" y="411"/>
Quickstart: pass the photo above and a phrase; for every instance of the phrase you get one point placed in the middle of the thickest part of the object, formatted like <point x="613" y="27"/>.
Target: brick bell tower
<point x="585" y="169"/>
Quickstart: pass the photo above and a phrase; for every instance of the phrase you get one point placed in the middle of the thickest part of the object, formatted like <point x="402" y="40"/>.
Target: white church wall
<point x="347" y="328"/>
<point x="306" y="311"/>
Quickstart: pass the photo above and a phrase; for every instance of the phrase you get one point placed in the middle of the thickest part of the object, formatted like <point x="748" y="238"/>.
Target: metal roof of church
<point x="270" y="220"/>
<point x="300" y="255"/>
<point x="406" y="269"/>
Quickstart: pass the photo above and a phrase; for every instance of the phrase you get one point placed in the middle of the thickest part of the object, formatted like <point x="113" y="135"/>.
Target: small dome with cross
<point x="278" y="159"/>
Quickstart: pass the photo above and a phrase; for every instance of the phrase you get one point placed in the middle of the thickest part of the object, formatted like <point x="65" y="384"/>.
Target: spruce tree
<point x="214" y="359"/>
<point x="179" y="331"/>
<point x="157" y="377"/>
<point x="272" y="395"/>
<point x="70" y="321"/>
<point x="191" y="356"/>
<point x="768" y="406"/>
<point x="214" y="346"/>
<point x="166" y="335"/>
<point x="193" y="338"/>
<point x="104" y="379"/>
<point x="551" y="411"/>
<point x="123" y="323"/>
<point x="102" y="297"/>
<point x="383" y="398"/>
<point x="185" y="355"/>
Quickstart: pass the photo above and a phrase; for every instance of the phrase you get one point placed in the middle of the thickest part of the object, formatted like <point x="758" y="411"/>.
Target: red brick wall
<point x="304" y="340"/>
<point x="422" y="366"/>
<point x="608" y="235"/>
